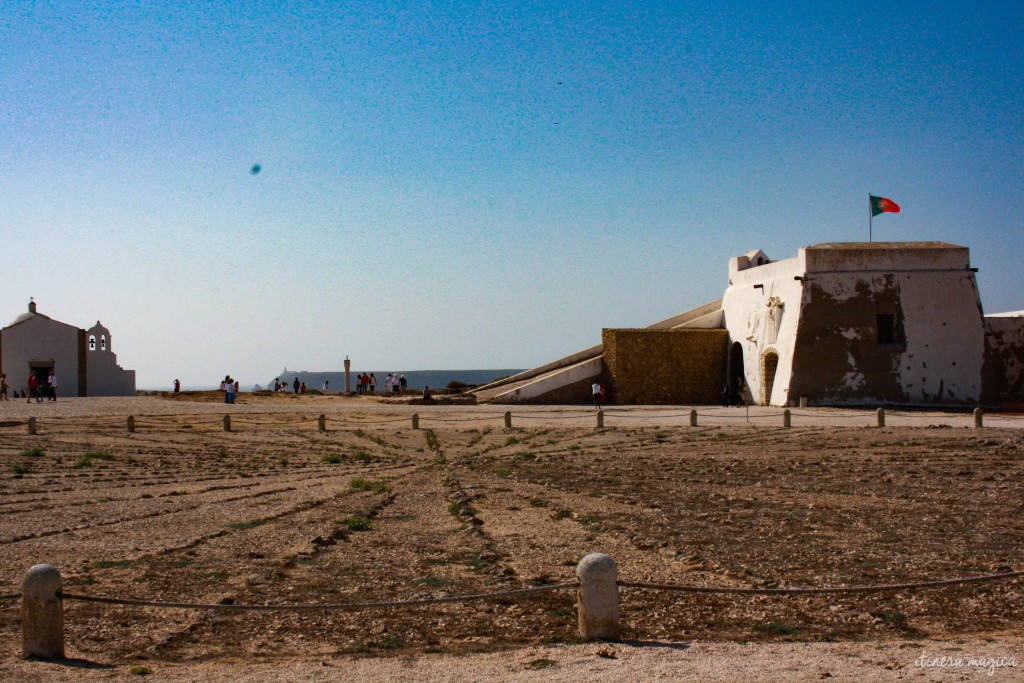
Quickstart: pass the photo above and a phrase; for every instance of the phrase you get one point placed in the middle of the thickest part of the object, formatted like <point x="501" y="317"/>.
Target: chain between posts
<point x="879" y="588"/>
<point x="876" y="588"/>
<point x="312" y="608"/>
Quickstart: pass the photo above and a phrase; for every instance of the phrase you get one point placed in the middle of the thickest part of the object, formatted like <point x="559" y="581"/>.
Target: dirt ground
<point x="371" y="510"/>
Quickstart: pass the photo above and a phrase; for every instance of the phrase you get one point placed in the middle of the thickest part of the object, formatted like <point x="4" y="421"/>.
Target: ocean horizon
<point x="416" y="379"/>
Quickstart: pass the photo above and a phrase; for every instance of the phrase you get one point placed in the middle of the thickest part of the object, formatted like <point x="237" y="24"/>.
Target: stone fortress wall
<point x="659" y="367"/>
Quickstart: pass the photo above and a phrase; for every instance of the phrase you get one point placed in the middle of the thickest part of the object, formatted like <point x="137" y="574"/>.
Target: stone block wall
<point x="679" y="366"/>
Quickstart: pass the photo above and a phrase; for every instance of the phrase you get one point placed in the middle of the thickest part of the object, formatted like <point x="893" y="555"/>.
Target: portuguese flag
<point x="883" y="205"/>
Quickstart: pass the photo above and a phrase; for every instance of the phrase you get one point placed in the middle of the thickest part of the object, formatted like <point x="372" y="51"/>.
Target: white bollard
<point x="42" y="613"/>
<point x="598" y="597"/>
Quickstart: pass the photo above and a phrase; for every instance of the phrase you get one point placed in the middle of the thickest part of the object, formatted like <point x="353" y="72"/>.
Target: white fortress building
<point x="856" y="323"/>
<point x="83" y="360"/>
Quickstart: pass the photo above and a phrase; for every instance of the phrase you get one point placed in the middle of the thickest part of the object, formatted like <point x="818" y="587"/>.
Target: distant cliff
<point x="417" y="379"/>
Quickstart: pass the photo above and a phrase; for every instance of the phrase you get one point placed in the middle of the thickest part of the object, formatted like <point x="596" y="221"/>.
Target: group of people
<point x="230" y="388"/>
<point x="395" y="384"/>
<point x="297" y="386"/>
<point x="366" y="383"/>
<point x="732" y="398"/>
<point x="35" y="388"/>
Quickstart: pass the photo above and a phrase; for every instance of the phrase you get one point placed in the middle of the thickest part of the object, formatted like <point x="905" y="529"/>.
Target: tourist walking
<point x="595" y="389"/>
<point x="3" y="387"/>
<point x="403" y="382"/>
<point x="51" y="383"/>
<point x="373" y="383"/>
<point x="177" y="386"/>
<point x="327" y="383"/>
<point x="296" y="384"/>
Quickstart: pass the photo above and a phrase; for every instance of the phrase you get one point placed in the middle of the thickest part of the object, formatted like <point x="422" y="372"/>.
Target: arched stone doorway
<point x="769" y="365"/>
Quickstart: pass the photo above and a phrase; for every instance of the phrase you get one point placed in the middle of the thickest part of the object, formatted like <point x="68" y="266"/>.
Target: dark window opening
<point x="886" y="329"/>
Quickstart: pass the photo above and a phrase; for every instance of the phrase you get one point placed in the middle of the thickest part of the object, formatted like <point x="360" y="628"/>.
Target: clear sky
<point x="481" y="184"/>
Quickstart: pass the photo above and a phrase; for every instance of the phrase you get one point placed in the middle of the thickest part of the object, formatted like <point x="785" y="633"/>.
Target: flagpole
<point x="871" y="215"/>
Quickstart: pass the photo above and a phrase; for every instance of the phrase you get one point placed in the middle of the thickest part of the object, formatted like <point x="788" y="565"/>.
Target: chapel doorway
<point x="42" y="370"/>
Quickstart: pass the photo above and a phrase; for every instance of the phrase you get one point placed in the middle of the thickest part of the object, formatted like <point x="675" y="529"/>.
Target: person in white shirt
<point x="51" y="382"/>
<point x="595" y="389"/>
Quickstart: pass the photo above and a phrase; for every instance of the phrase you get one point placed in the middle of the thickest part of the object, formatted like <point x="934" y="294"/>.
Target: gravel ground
<point x="991" y="659"/>
<point x="371" y="509"/>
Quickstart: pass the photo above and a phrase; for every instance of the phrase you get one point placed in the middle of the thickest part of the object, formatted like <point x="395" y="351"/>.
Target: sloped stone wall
<point x="577" y="392"/>
<point x="685" y="366"/>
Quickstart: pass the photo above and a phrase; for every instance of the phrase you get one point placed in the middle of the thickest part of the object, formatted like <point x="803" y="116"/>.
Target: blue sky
<point x="472" y="185"/>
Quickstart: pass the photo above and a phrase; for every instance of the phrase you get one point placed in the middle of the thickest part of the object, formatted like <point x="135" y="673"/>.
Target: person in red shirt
<point x="33" y="388"/>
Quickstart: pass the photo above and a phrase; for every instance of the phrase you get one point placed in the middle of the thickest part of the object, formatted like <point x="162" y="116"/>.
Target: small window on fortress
<point x="886" y="329"/>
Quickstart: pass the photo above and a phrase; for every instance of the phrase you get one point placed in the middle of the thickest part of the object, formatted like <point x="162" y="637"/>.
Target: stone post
<point x="348" y="367"/>
<point x="508" y="419"/>
<point x="321" y="423"/>
<point x="600" y="419"/>
<point x="131" y="423"/>
<point x="415" y="420"/>
<point x="979" y="418"/>
<point x="31" y="426"/>
<point x="693" y="418"/>
<point x="787" y="418"/>
<point x="42" y="613"/>
<point x="881" y="417"/>
<point x="227" y="423"/>
<point x="598" y="597"/>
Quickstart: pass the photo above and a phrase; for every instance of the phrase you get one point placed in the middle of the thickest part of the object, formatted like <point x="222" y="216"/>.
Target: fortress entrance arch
<point x="734" y="372"/>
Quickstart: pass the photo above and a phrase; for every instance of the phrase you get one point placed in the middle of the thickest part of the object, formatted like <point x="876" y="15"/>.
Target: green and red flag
<point x="883" y="205"/>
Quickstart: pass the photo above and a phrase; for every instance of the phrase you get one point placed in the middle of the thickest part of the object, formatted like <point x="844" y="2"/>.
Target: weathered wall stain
<point x="824" y="357"/>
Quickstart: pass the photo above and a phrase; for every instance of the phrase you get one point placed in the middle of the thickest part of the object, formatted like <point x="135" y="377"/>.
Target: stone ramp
<point x="544" y="379"/>
<point x="546" y="385"/>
